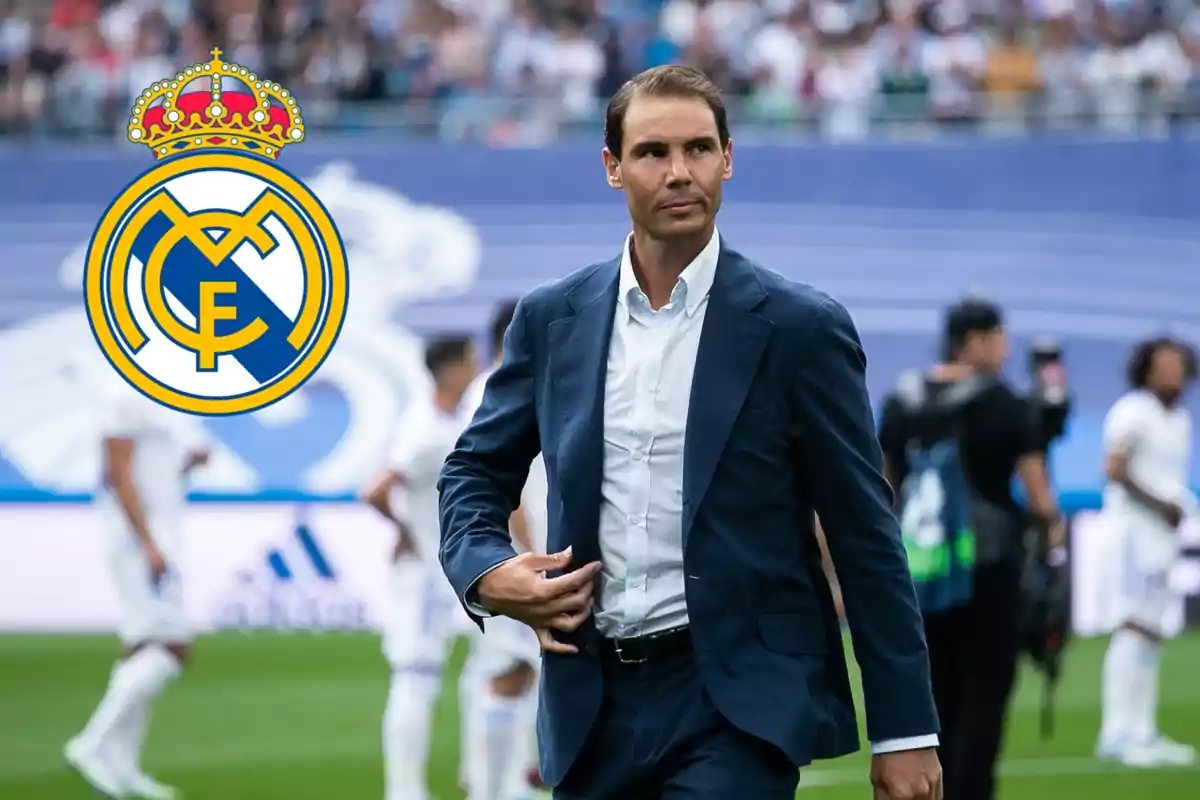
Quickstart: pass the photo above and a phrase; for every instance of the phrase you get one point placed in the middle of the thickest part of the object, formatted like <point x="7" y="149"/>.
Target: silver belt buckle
<point x="621" y="655"/>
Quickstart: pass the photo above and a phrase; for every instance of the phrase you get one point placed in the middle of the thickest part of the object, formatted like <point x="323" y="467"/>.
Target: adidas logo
<point x="294" y="587"/>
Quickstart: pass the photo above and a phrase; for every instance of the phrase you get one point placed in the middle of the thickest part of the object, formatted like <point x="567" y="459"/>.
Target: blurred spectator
<point x="1189" y="38"/>
<point x="522" y="64"/>
<point x="903" y="84"/>
<point x="145" y="55"/>
<point x="16" y="45"/>
<point x="846" y="79"/>
<point x="1061" y="66"/>
<point x="520" y="71"/>
<point x="954" y="59"/>
<point x="242" y="34"/>
<point x="576" y="67"/>
<point x="1113" y="72"/>
<point x="1011" y="74"/>
<point x="460" y="72"/>
<point x="85" y="89"/>
<point x="778" y="62"/>
<point x="1166" y="68"/>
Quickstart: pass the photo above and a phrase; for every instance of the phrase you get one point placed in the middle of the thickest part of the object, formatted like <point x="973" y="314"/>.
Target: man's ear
<point x="728" y="160"/>
<point x="612" y="169"/>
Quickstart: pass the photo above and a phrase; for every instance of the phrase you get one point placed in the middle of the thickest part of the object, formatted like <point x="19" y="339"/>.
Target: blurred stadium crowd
<point x="527" y="71"/>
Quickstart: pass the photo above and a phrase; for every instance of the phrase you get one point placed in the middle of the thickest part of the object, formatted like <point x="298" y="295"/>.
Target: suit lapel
<point x="578" y="364"/>
<point x="732" y="342"/>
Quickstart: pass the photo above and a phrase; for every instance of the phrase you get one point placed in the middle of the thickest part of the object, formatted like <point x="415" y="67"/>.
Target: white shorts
<point x="504" y="644"/>
<point x="1143" y="592"/>
<point x="149" y="613"/>
<point x="425" y="617"/>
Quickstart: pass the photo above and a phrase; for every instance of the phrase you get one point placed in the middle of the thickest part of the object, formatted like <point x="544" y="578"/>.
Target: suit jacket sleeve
<point x="482" y="479"/>
<point x="843" y="464"/>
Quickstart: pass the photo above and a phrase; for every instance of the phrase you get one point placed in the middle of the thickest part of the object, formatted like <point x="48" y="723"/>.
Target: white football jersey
<point x="423" y="438"/>
<point x="162" y="439"/>
<point x="1158" y="440"/>
<point x="533" y="497"/>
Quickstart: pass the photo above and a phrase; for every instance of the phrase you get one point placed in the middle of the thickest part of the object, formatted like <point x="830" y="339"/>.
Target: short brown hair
<point x="671" y="80"/>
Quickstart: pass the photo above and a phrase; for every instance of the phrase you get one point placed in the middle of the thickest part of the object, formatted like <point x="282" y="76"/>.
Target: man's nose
<point x="679" y="172"/>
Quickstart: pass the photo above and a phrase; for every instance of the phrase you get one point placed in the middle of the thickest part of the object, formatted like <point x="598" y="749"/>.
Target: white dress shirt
<point x="647" y="393"/>
<point x="647" y="389"/>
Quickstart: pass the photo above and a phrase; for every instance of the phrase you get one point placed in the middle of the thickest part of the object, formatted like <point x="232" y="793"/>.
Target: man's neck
<point x="658" y="263"/>
<point x="446" y="401"/>
<point x="952" y="371"/>
<point x="1167" y="400"/>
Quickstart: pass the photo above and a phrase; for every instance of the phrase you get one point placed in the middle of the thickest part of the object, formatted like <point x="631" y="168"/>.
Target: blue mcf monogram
<point x="233" y="315"/>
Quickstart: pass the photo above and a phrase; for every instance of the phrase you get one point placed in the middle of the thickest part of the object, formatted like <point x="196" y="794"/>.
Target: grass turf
<point x="297" y="716"/>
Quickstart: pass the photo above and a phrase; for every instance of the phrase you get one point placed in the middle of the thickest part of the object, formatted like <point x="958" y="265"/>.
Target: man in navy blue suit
<point x="695" y="413"/>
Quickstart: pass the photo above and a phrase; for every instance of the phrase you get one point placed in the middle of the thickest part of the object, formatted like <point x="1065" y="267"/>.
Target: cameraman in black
<point x="974" y="646"/>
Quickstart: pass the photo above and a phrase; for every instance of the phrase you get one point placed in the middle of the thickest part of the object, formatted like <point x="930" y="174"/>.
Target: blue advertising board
<point x="1095" y="243"/>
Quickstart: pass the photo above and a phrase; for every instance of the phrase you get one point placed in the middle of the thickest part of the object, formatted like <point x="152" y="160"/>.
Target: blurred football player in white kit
<point x="501" y="674"/>
<point x="1147" y="441"/>
<point x="425" y="618"/>
<point x="148" y="451"/>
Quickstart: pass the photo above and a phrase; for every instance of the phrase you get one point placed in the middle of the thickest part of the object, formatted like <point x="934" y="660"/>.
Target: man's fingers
<point x="918" y="788"/>
<point x="551" y="645"/>
<point x="569" y="622"/>
<point x="570" y="603"/>
<point x="565" y="584"/>
<point x="549" y="562"/>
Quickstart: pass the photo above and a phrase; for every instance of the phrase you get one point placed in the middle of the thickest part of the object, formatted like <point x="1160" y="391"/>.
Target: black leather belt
<point x="651" y="647"/>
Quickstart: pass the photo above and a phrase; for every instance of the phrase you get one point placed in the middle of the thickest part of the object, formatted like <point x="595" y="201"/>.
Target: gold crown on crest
<point x="263" y="119"/>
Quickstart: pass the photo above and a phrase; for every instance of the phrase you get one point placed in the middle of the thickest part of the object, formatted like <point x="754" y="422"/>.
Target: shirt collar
<point x="695" y="281"/>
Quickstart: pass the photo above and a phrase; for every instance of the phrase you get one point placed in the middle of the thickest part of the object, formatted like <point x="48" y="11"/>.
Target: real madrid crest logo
<point x="216" y="283"/>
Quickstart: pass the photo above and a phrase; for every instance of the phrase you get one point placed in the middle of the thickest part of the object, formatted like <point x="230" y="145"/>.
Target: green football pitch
<point x="293" y="716"/>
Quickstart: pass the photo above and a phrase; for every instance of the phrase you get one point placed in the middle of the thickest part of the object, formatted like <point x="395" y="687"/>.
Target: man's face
<point x="460" y="374"/>
<point x="672" y="165"/>
<point x="1168" y="373"/>
<point x="986" y="351"/>
<point x="470" y="366"/>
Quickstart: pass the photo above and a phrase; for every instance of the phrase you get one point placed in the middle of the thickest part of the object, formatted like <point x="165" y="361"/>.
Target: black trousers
<point x="659" y="737"/>
<point x="973" y="652"/>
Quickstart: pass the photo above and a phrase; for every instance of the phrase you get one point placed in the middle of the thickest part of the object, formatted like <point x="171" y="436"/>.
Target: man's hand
<point x="519" y="588"/>
<point x="405" y="546"/>
<point x="1172" y="514"/>
<point x="907" y="775"/>
<point x="196" y="458"/>
<point x="155" y="561"/>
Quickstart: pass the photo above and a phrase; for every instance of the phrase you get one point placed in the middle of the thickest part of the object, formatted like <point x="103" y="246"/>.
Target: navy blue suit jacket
<point x="780" y="426"/>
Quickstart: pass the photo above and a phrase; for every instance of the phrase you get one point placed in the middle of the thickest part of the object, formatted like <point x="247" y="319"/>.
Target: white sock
<point x="86" y="738"/>
<point x="128" y="740"/>
<point x="1116" y="680"/>
<point x="406" y="726"/>
<point x="496" y="746"/>
<point x="524" y="748"/>
<point x="1144" y="690"/>
<point x="134" y="685"/>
